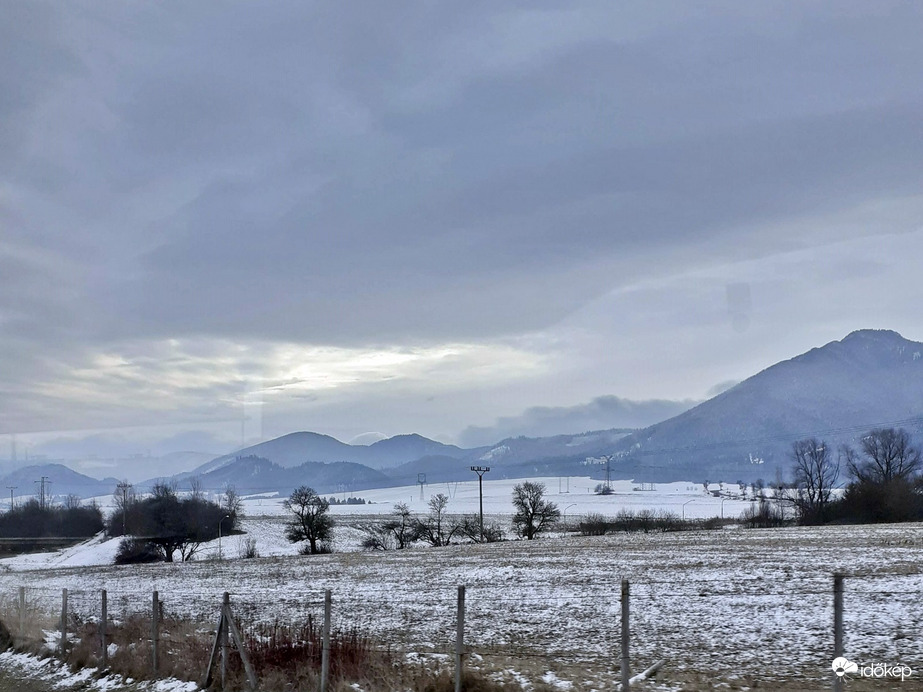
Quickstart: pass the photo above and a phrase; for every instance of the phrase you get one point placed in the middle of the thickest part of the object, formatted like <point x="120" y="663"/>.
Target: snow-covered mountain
<point x="836" y="393"/>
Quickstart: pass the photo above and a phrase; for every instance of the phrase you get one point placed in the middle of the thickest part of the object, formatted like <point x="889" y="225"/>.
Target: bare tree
<point x="470" y="528"/>
<point x="436" y="529"/>
<point x="815" y="474"/>
<point x="311" y="520"/>
<point x="534" y="514"/>
<point x="124" y="496"/>
<point x="885" y="455"/>
<point x="397" y="532"/>
<point x="232" y="503"/>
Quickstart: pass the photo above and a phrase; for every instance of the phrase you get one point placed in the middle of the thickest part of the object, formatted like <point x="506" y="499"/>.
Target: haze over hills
<point x="61" y="481"/>
<point x="251" y="475"/>
<point x="282" y="461"/>
<point x="298" y="448"/>
<point x="836" y="393"/>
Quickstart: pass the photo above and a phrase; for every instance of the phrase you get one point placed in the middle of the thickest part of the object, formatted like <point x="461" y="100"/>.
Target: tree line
<point x="310" y="522"/>
<point x="165" y="526"/>
<point x="884" y="479"/>
<point x="33" y="519"/>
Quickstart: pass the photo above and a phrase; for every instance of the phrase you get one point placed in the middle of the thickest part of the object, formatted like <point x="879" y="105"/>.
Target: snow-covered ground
<point x="747" y="607"/>
<point x="54" y="674"/>
<point x="265" y="517"/>
<point x="573" y="495"/>
<point x="724" y="603"/>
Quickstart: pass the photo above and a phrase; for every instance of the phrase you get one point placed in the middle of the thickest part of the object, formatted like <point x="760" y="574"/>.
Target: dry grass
<point x="27" y="626"/>
<point x="286" y="658"/>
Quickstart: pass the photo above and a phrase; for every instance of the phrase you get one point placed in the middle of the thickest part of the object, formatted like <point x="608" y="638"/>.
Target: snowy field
<point x="265" y="517"/>
<point x="744" y="607"/>
<point x="573" y="495"/>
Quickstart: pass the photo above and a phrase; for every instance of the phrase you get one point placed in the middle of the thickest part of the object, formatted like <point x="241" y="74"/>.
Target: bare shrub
<point x="594" y="524"/>
<point x="247" y="548"/>
<point x="645" y="520"/>
<point x="399" y="531"/>
<point x="133" y="551"/>
<point x="436" y="528"/>
<point x="668" y="521"/>
<point x="322" y="548"/>
<point x="470" y="528"/>
<point x="765" y="515"/>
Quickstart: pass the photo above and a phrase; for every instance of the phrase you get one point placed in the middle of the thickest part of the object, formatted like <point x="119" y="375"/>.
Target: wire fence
<point x="747" y="628"/>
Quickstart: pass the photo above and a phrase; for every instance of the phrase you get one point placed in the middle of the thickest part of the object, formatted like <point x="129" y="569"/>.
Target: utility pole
<point x="226" y="516"/>
<point x="44" y="481"/>
<point x="480" y="471"/>
<point x="123" y="488"/>
<point x="12" y="488"/>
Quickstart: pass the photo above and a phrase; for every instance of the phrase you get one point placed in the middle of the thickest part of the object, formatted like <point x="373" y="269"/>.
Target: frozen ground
<point x="732" y="605"/>
<point x="573" y="495"/>
<point x="24" y="673"/>
<point x="265" y="516"/>
<point x="745" y="608"/>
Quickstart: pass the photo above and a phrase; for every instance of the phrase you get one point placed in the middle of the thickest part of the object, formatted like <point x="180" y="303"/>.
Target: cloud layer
<point x="487" y="203"/>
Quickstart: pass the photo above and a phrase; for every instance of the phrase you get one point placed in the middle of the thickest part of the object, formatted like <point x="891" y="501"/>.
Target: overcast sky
<point x="245" y="219"/>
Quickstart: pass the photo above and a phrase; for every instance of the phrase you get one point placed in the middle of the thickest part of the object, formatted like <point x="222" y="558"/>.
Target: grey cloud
<point x="602" y="413"/>
<point x="311" y="172"/>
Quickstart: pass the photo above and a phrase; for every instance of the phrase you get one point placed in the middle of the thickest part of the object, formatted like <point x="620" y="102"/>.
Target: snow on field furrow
<point x="733" y="600"/>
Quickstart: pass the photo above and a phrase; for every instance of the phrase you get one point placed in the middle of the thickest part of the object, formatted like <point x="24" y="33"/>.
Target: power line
<point x="43" y="482"/>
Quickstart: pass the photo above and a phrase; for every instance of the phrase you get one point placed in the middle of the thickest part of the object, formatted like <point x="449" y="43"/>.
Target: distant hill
<point x="837" y="393"/>
<point x="252" y="475"/>
<point x="398" y="461"/>
<point x="515" y="457"/>
<point x="400" y="449"/>
<point x="298" y="448"/>
<point x="61" y="482"/>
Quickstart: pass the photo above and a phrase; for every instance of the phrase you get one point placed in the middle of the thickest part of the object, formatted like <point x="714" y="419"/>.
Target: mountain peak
<point x="885" y="336"/>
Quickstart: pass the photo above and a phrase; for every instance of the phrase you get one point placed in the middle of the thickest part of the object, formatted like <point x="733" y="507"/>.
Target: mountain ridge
<point x="837" y="391"/>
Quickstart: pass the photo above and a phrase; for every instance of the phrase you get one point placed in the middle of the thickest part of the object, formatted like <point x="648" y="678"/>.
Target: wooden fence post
<point x="22" y="612"/>
<point x="626" y="668"/>
<point x="325" y="652"/>
<point x="837" y="626"/>
<point x="216" y="647"/>
<point x="63" y="647"/>
<point x="460" y="639"/>
<point x="155" y="631"/>
<point x="231" y="626"/>
<point x="103" y="620"/>
<point x="225" y="611"/>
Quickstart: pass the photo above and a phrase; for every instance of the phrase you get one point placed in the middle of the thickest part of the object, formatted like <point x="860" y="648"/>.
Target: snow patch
<point x="553" y="680"/>
<point x="495" y="453"/>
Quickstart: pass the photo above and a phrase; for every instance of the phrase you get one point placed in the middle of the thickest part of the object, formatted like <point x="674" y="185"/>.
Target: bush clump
<point x="136" y="551"/>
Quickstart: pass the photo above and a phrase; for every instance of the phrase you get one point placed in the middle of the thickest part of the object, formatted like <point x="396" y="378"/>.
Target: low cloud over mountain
<point x="602" y="413"/>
